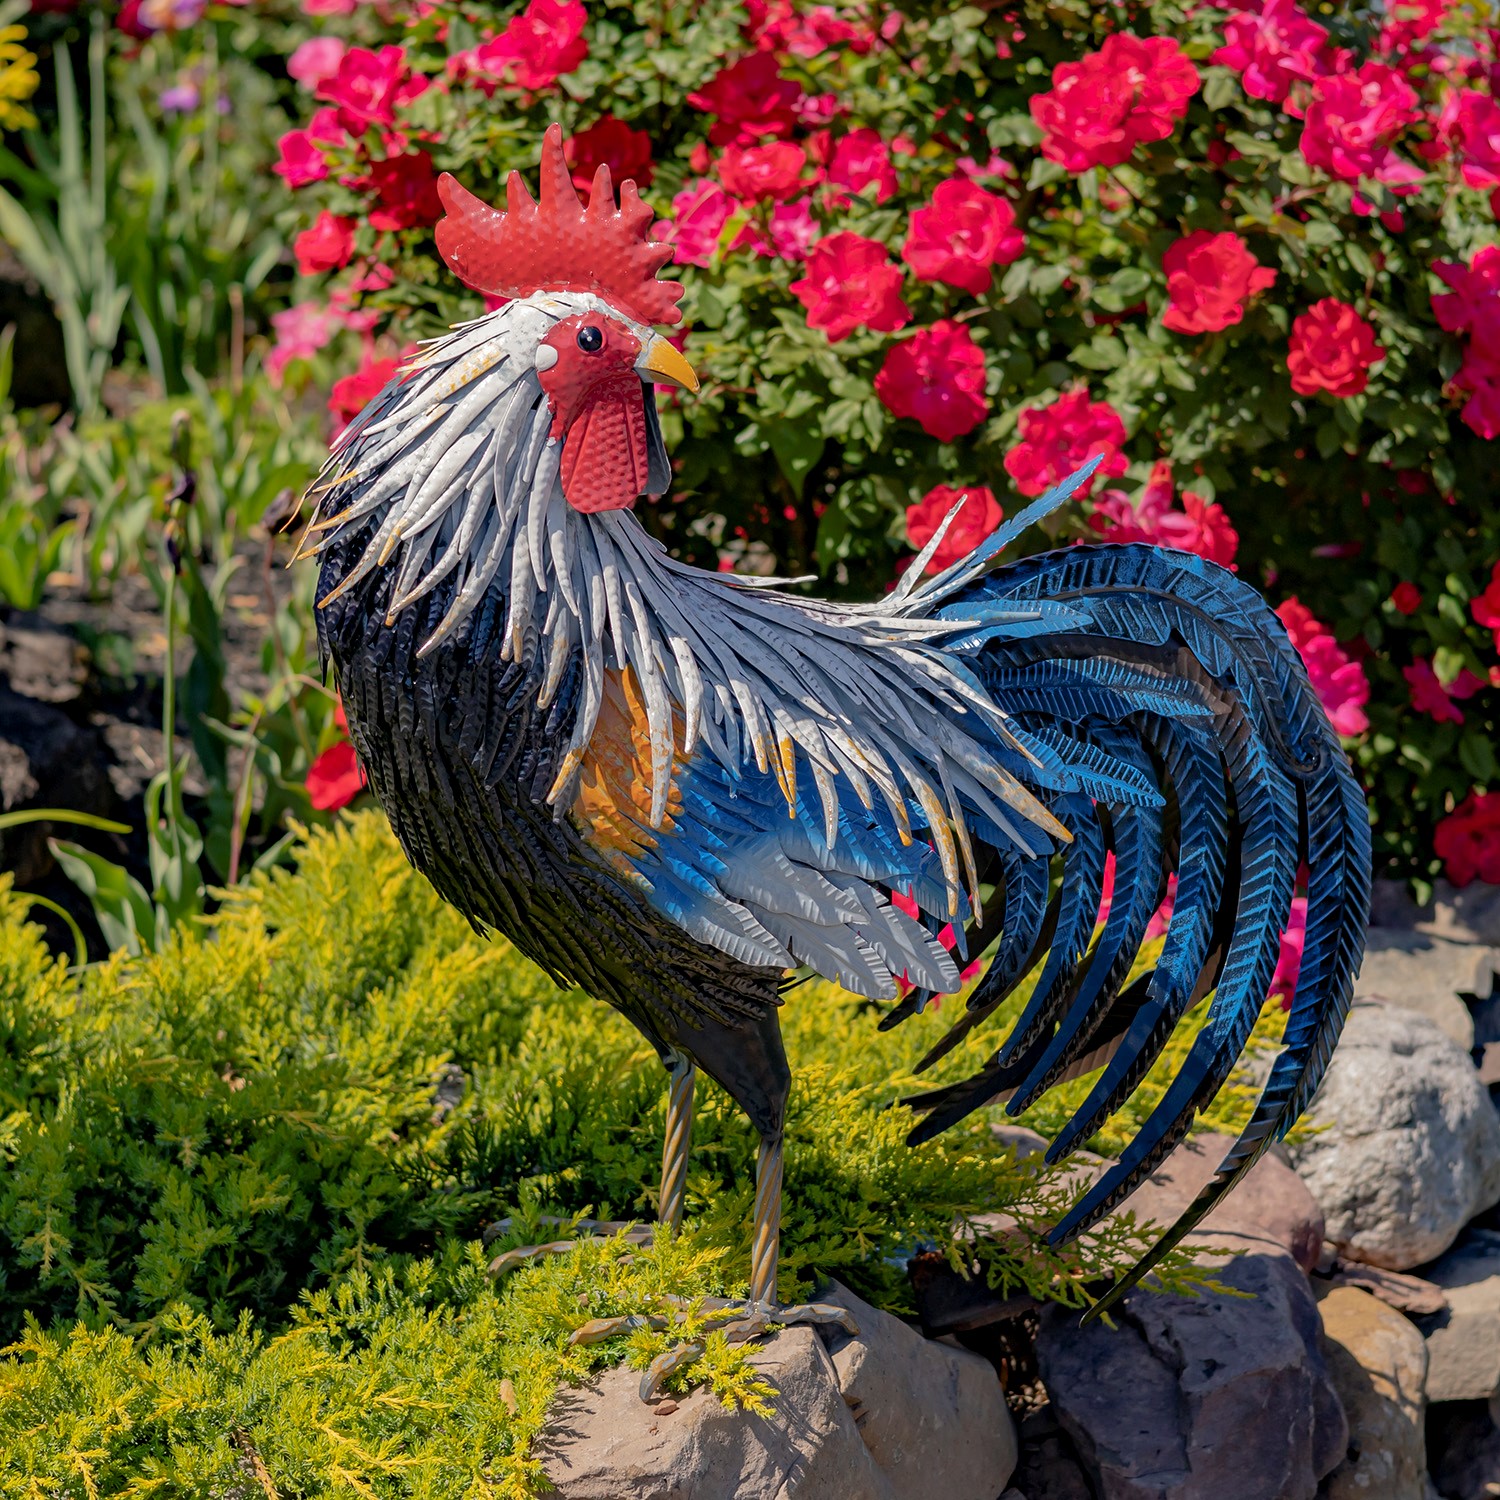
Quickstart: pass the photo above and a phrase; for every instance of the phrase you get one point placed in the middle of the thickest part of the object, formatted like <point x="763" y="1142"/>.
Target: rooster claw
<point x="744" y="1321"/>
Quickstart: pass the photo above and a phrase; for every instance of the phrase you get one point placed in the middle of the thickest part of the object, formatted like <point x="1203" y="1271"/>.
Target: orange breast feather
<point x="614" y="786"/>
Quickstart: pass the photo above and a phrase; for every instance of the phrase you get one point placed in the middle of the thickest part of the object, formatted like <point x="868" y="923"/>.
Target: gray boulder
<point x="887" y="1415"/>
<point x="1427" y="974"/>
<point x="1463" y="1345"/>
<point x="1407" y="1149"/>
<point x="1270" y="1209"/>
<point x="1378" y="1365"/>
<point x="1200" y="1398"/>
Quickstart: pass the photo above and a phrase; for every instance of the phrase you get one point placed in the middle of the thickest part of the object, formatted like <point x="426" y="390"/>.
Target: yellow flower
<point x="18" y="78"/>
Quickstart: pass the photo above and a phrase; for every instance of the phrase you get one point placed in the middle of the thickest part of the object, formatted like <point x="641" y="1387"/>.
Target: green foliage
<point x="238" y="1229"/>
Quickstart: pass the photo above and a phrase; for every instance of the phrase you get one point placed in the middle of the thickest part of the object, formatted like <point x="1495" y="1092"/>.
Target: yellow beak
<point x="661" y="363"/>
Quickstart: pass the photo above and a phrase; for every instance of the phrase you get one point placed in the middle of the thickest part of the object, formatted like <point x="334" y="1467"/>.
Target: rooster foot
<point x="738" y="1321"/>
<point x="635" y="1234"/>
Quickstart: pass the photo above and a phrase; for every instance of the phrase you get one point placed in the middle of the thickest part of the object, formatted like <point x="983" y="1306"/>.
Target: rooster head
<point x="593" y="270"/>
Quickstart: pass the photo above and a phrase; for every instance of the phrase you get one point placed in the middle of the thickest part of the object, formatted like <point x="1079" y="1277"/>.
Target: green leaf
<point x="121" y="906"/>
<point x="1221" y="87"/>
<point x="798" y="446"/>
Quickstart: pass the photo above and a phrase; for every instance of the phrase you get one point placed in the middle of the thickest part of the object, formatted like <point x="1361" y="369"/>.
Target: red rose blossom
<point x="1352" y="119"/>
<point x="961" y="236"/>
<point x="1468" y="839"/>
<point x="750" y="99"/>
<point x="1060" y="437"/>
<point x="1406" y="597"/>
<point x="336" y="777"/>
<point x="1485" y="607"/>
<point x="1200" y="526"/>
<point x="353" y="393"/>
<point x="611" y="143"/>
<point x="860" y="158"/>
<point x="366" y="88"/>
<point x="1274" y="47"/>
<point x="755" y="173"/>
<point x="538" y="46"/>
<point x="1337" y="679"/>
<point x="980" y="515"/>
<point x="1210" y="278"/>
<point x="936" y="377"/>
<point x="1332" y="349"/>
<point x="326" y="246"/>
<point x="1100" y="108"/>
<point x="406" y="188"/>
<point x="851" y="283"/>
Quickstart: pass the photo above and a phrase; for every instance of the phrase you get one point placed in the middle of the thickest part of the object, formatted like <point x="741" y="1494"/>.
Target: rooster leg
<point x="739" y="1321"/>
<point x="677" y="1144"/>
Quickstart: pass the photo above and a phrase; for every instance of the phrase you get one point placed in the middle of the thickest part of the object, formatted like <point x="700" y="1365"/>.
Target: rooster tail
<point x="1182" y="673"/>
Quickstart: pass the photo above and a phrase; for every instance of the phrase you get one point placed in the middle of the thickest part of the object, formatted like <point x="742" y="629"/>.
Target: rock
<point x="1429" y="975"/>
<point x="1488" y="1064"/>
<point x="1463" y="1347"/>
<point x="46" y="760"/>
<point x="1200" y="1398"/>
<point x="1048" y="1468"/>
<point x="1270" y="1209"/>
<point x="1378" y="1364"/>
<point x="1409" y="1145"/>
<point x="1463" y="1450"/>
<point x="41" y="660"/>
<point x="887" y="1416"/>
<point x="1486" y="1016"/>
<point x="1407" y="1294"/>
<point x="1471" y="915"/>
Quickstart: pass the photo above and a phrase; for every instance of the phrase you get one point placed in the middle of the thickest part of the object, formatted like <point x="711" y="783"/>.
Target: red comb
<point x="559" y="245"/>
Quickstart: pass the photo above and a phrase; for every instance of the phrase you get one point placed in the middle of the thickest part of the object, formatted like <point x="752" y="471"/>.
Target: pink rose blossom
<point x="1275" y="46"/>
<point x="1337" y="679"/>
<point x="794" y="230"/>
<point x="301" y="330"/>
<point x="859" y="159"/>
<point x="1351" y="121"/>
<point x="1200" y="526"/>
<point x="316" y="59"/>
<point x="1429" y="694"/>
<point x="699" y="213"/>
<point x="1470" y="124"/>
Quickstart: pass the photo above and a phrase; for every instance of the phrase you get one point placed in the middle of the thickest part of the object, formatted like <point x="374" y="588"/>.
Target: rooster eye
<point x="590" y="339"/>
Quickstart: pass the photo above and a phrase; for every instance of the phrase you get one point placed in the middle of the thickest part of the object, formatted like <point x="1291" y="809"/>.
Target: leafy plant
<point x="231" y="1198"/>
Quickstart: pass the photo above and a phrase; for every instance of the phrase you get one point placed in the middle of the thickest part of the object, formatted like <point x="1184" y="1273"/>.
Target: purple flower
<point x="180" y="99"/>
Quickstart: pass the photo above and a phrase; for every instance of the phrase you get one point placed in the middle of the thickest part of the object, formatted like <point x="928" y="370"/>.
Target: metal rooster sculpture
<point x="670" y="786"/>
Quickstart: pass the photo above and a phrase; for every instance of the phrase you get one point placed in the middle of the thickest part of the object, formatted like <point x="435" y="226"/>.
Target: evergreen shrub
<point x="244" y="1197"/>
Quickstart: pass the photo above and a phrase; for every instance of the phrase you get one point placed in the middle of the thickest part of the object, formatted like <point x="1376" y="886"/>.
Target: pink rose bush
<point x="1239" y="254"/>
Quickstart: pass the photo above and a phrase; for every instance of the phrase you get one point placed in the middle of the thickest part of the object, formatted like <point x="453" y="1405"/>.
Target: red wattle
<point x="604" y="457"/>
